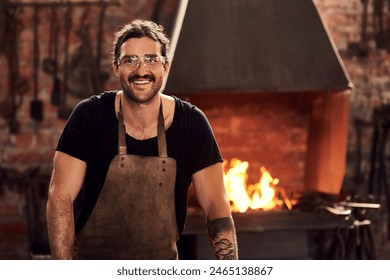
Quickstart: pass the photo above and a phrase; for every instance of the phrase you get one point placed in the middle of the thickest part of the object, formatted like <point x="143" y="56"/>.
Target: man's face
<point x="140" y="81"/>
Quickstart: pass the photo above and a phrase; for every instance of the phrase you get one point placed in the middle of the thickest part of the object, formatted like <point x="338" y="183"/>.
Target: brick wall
<point x="265" y="129"/>
<point x="25" y="157"/>
<point x="367" y="60"/>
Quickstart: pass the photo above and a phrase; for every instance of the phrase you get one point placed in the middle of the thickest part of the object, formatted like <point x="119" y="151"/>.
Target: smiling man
<point x="128" y="157"/>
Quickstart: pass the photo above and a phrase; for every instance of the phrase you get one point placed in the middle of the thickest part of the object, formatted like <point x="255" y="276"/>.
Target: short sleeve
<point x="77" y="132"/>
<point x="204" y="150"/>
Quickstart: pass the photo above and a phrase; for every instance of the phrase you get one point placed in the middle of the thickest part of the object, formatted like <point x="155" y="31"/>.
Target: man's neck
<point x="141" y="118"/>
<point x="141" y="112"/>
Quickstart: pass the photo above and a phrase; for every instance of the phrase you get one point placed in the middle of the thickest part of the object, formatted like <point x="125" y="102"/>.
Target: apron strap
<point x="161" y="138"/>
<point x="162" y="142"/>
<point x="122" y="148"/>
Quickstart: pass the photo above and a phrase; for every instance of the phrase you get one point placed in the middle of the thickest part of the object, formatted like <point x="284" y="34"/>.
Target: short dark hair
<point x="138" y="29"/>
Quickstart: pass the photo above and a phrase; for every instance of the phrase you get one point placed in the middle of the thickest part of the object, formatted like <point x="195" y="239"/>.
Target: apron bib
<point x="134" y="216"/>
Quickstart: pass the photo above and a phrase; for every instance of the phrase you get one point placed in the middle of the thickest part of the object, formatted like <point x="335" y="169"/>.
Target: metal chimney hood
<point x="254" y="46"/>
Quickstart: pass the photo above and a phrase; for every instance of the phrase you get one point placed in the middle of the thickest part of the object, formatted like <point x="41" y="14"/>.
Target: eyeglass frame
<point x="160" y="58"/>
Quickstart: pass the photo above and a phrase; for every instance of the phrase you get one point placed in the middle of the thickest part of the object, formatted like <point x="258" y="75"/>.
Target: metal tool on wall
<point x="36" y="105"/>
<point x="60" y="90"/>
<point x="82" y="67"/>
<point x="84" y="76"/>
<point x="63" y="111"/>
<point x="2" y="23"/>
<point x="50" y="63"/>
<point x="17" y="85"/>
<point x="103" y="76"/>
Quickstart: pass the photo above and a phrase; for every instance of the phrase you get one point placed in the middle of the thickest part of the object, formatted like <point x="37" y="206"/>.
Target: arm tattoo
<point x="223" y="238"/>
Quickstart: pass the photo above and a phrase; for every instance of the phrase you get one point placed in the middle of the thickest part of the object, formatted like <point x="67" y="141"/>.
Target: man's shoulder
<point x="184" y="107"/>
<point x="97" y="100"/>
<point x="189" y="115"/>
<point x="89" y="109"/>
<point x="103" y="97"/>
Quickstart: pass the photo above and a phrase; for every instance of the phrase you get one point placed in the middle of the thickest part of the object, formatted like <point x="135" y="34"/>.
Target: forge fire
<point x="263" y="194"/>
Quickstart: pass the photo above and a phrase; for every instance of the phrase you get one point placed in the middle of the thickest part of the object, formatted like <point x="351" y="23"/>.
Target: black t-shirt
<point x="91" y="135"/>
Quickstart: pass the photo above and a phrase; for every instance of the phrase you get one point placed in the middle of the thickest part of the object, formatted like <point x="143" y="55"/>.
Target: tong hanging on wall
<point x="62" y="110"/>
<point x="83" y="79"/>
<point x="99" y="44"/>
<point x="85" y="69"/>
<point x="2" y="23"/>
<point x="50" y="63"/>
<point x="84" y="75"/>
<point x="36" y="105"/>
<point x="17" y="85"/>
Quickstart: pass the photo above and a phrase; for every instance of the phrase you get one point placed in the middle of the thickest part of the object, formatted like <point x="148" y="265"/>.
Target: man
<point x="129" y="156"/>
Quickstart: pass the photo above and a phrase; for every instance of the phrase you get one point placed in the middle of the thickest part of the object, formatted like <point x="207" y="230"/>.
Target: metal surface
<point x="261" y="221"/>
<point x="255" y="46"/>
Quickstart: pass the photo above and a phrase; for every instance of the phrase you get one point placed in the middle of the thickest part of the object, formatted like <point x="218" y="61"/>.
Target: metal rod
<point x="285" y="198"/>
<point x="360" y="205"/>
<point x="63" y="3"/>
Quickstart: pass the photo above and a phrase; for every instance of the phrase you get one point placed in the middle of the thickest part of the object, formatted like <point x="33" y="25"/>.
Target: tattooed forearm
<point x="223" y="238"/>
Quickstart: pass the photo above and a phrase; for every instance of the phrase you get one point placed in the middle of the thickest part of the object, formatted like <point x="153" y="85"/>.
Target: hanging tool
<point x="17" y="85"/>
<point x="3" y="5"/>
<point x="379" y="23"/>
<point x="63" y="111"/>
<point x="84" y="76"/>
<point x="50" y="63"/>
<point x="363" y="33"/>
<point x="36" y="105"/>
<point x="103" y="76"/>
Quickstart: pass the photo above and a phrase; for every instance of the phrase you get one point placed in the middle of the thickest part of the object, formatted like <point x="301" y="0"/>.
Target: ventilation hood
<point x="254" y="46"/>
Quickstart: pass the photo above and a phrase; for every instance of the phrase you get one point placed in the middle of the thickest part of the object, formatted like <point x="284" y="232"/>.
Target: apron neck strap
<point x="162" y="141"/>
<point x="161" y="138"/>
<point x="122" y="149"/>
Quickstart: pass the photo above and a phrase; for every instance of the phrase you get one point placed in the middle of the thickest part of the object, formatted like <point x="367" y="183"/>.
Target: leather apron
<point x="134" y="216"/>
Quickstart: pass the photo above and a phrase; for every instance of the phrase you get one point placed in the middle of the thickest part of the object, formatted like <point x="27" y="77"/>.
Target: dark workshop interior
<point x="297" y="93"/>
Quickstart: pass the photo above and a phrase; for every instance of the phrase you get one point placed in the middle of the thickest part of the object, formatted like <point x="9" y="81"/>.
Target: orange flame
<point x="242" y="197"/>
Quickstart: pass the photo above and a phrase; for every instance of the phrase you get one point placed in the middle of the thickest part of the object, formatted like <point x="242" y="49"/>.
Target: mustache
<point x="146" y="77"/>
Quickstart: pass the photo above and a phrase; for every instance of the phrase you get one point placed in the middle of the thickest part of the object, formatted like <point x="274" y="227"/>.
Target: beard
<point x="140" y="94"/>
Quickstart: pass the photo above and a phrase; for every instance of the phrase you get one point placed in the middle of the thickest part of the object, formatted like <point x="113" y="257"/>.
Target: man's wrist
<point x="223" y="238"/>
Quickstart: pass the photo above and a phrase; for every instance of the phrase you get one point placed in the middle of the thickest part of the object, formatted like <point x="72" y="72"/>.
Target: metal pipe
<point x="360" y="205"/>
<point x="181" y="12"/>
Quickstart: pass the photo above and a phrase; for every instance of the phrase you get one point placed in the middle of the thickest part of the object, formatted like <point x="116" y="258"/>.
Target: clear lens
<point x="132" y="61"/>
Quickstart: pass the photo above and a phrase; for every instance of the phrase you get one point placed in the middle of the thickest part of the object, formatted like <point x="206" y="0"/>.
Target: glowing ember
<point x="260" y="195"/>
